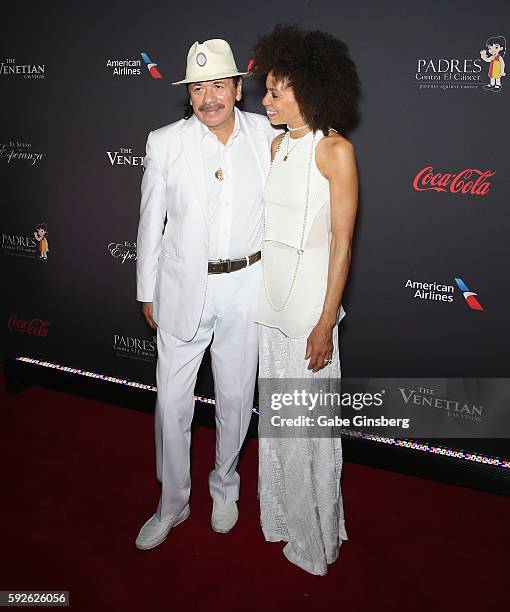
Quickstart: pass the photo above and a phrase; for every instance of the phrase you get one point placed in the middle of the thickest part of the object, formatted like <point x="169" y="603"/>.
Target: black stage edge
<point x="20" y="375"/>
<point x="493" y="479"/>
<point x="489" y="478"/>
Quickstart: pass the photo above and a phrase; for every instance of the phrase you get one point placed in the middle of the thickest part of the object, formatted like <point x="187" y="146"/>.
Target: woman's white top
<point x="284" y="207"/>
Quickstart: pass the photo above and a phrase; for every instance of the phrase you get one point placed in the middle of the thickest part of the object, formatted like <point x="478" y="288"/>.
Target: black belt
<point x="222" y="266"/>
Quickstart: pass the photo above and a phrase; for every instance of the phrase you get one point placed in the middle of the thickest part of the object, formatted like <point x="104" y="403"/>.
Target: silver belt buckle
<point x="229" y="264"/>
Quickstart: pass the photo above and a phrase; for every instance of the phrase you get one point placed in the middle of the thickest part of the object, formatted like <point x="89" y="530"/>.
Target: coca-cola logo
<point x="34" y="327"/>
<point x="469" y="181"/>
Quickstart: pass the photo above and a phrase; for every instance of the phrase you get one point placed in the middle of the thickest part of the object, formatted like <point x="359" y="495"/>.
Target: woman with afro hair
<point x="310" y="203"/>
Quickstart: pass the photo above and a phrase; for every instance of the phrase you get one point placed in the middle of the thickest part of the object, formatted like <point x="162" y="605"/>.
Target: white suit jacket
<point x="171" y="267"/>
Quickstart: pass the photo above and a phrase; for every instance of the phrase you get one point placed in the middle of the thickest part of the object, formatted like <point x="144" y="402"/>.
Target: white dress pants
<point x="228" y="319"/>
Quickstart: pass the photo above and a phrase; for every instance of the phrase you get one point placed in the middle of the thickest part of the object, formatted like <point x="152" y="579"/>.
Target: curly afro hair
<point x="320" y="70"/>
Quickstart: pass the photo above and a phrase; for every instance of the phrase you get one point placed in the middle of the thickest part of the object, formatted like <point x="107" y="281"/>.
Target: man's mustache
<point x="207" y="107"/>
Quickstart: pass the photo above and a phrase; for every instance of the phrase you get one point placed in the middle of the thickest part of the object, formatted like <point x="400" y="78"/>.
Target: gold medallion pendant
<point x="219" y="174"/>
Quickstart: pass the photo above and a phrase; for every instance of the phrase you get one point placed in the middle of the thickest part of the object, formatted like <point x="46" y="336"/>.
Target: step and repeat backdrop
<point x="82" y="85"/>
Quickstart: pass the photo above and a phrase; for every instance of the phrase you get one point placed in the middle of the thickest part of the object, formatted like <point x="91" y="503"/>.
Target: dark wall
<point x="65" y="121"/>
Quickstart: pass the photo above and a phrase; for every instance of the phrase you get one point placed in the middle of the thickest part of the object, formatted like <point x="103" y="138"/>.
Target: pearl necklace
<point x="296" y="129"/>
<point x="299" y="251"/>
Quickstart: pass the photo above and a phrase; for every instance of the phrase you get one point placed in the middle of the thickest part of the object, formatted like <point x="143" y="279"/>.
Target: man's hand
<point x="319" y="346"/>
<point x="147" y="313"/>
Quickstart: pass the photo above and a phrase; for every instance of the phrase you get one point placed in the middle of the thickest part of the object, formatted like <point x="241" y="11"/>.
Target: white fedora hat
<point x="213" y="59"/>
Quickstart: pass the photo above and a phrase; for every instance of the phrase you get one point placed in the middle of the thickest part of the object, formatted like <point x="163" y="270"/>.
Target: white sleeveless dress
<point x="299" y="478"/>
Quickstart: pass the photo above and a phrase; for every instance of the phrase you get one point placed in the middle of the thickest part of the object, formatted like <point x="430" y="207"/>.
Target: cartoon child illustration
<point x="41" y="235"/>
<point x="497" y="47"/>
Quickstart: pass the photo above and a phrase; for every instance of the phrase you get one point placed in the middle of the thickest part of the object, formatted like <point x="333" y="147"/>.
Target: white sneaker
<point x="155" y="531"/>
<point x="224" y="516"/>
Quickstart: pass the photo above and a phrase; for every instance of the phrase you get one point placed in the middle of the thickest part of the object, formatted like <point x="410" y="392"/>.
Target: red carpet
<point x="78" y="480"/>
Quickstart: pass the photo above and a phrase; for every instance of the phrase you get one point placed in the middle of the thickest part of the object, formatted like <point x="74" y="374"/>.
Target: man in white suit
<point x="198" y="271"/>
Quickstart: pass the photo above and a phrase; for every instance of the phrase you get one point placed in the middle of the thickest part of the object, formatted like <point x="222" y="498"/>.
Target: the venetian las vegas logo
<point x="10" y="68"/>
<point x="124" y="157"/>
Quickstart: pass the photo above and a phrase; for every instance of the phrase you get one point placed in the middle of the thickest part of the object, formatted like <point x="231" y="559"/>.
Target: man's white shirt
<point x="235" y="207"/>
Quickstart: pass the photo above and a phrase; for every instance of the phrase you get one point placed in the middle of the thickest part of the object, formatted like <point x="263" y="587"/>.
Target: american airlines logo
<point x="151" y="66"/>
<point x="131" y="67"/>
<point x="469" y="296"/>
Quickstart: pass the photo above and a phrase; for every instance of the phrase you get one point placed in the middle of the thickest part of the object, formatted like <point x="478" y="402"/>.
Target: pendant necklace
<point x="219" y="174"/>
<point x="286" y="157"/>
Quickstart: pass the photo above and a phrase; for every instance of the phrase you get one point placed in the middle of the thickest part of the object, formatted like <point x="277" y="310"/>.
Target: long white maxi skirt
<point x="299" y="477"/>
